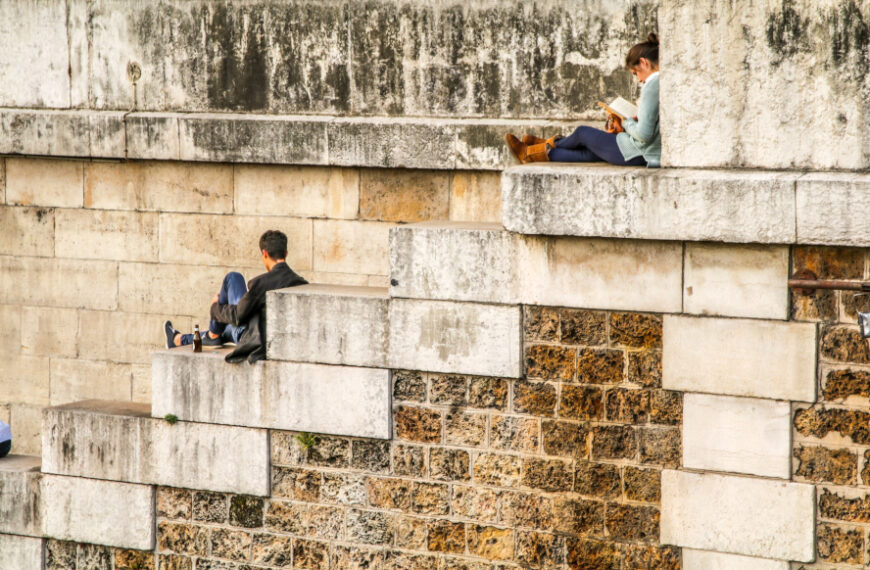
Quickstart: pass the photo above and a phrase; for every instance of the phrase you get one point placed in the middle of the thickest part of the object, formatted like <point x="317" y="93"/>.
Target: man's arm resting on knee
<point x="236" y="314"/>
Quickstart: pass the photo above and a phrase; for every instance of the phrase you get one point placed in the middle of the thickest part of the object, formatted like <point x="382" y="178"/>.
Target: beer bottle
<point x="197" y="339"/>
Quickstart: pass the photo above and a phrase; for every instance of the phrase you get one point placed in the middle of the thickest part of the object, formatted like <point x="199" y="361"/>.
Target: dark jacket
<point x="251" y="312"/>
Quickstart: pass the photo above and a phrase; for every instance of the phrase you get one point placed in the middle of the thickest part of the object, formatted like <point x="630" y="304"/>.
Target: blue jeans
<point x="586" y="144"/>
<point x="233" y="289"/>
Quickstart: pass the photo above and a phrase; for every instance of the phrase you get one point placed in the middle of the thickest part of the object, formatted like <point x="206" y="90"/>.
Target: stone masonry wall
<point x="94" y="256"/>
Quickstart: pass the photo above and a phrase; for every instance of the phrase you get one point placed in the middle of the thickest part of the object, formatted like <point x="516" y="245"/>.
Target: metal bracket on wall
<point x="805" y="283"/>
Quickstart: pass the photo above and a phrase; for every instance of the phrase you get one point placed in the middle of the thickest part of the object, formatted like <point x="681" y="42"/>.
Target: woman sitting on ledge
<point x="636" y="142"/>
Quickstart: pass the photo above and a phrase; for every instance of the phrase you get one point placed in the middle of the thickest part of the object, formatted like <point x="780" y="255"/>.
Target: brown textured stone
<point x="134" y="560"/>
<point x="430" y="498"/>
<point x="409" y="386"/>
<point x="489" y="393"/>
<point x="627" y="406"/>
<point x="565" y="438"/>
<point x="527" y="509"/>
<point x="210" y="507"/>
<point x="821" y="306"/>
<point x="394" y="560"/>
<point x="536" y="398"/>
<point x="369" y="527"/>
<point x="844" y="344"/>
<point x="833" y="506"/>
<point x="497" y="469"/>
<point x="578" y="516"/>
<point x="514" y="433"/>
<point x="390" y="494"/>
<point x="417" y="424"/>
<point x="446" y="536"/>
<point x="851" y="304"/>
<point x="821" y="464"/>
<point x="174" y="503"/>
<point x="829" y="262"/>
<point x="448" y="389"/>
<point x="398" y="195"/>
<point x="636" y="330"/>
<point x="593" y="555"/>
<point x="175" y="562"/>
<point x="632" y="522"/>
<point x="449" y="464"/>
<point x="588" y="328"/>
<point x="272" y="550"/>
<point x="579" y="402"/>
<point x="454" y="563"/>
<point x="839" y="544"/>
<point x="818" y="422"/>
<point x="665" y="407"/>
<point x="93" y="557"/>
<point x="539" y="549"/>
<point x="286" y="449"/>
<point x="600" y="480"/>
<point x="540" y="323"/>
<point x="325" y="522"/>
<point x="356" y="558"/>
<point x="246" y="511"/>
<point x="370" y="455"/>
<point x="614" y="442"/>
<point x="411" y="533"/>
<point x="294" y="483"/>
<point x="645" y="368"/>
<point x="551" y="362"/>
<point x="842" y="384"/>
<point x="477" y="503"/>
<point x="643" y="485"/>
<point x="310" y="554"/>
<point x="182" y="538"/>
<point x="60" y="555"/>
<point x="661" y="446"/>
<point x="330" y="452"/>
<point x="465" y="428"/>
<point x="865" y="471"/>
<point x="548" y="474"/>
<point x="600" y="366"/>
<point x="490" y="542"/>
<point x="409" y="460"/>
<point x="286" y="517"/>
<point x="344" y="488"/>
<point x="652" y="557"/>
<point x="230" y="544"/>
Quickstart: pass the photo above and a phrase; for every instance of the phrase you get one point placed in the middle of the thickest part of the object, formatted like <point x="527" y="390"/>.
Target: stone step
<point x="120" y="441"/>
<point x="735" y="206"/>
<point x="329" y="324"/>
<point x="21" y="552"/>
<point x="19" y="495"/>
<point x="274" y="394"/>
<point x="706" y="560"/>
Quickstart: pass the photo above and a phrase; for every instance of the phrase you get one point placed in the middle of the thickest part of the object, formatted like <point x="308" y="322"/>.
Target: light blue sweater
<point x="642" y="137"/>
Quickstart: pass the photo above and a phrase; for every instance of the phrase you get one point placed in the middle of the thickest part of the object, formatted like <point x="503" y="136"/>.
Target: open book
<point x="621" y="108"/>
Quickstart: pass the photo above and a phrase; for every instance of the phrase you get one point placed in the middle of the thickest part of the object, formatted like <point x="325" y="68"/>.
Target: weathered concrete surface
<point x="62" y="133"/>
<point x="19" y="496"/>
<point x="329" y="324"/>
<point x="785" y="79"/>
<point x="739" y="435"/>
<point x="618" y="202"/>
<point x="119" y="441"/>
<point x="461" y="338"/>
<point x="739" y="515"/>
<point x="318" y="398"/>
<point x="831" y="207"/>
<point x="740" y="357"/>
<point x="98" y="512"/>
<point x="20" y="553"/>
<point x="706" y="560"/>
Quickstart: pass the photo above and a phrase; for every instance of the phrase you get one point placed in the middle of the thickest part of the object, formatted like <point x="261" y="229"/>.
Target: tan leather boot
<point x="538" y="152"/>
<point x="532" y="139"/>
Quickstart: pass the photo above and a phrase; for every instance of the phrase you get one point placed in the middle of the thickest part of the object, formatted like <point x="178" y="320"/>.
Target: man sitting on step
<point x="238" y="313"/>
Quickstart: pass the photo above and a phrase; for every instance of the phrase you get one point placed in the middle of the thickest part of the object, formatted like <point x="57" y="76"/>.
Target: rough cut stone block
<point x="462" y="338"/>
<point x="392" y="143"/>
<point x="34" y="182"/>
<point x="318" y="398"/>
<point x="98" y="512"/>
<point x="351" y="246"/>
<point x="119" y="441"/>
<point x="19" y="496"/>
<point x="830" y="208"/>
<point x="62" y="133"/>
<point x="736" y="280"/>
<point x="739" y="515"/>
<point x="20" y="553"/>
<point x="740" y="435"/>
<point x="305" y="191"/>
<point x="329" y="324"/>
<point x="706" y="560"/>
<point x="740" y="357"/>
<point x="26" y="231"/>
<point x="96" y="234"/>
<point x="617" y="202"/>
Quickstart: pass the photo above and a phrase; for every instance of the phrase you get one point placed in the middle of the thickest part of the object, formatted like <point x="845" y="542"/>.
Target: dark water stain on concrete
<point x="237" y="69"/>
<point x="786" y="32"/>
<point x="850" y="36"/>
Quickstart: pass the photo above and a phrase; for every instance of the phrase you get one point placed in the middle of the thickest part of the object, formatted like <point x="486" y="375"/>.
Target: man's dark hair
<point x="274" y="243"/>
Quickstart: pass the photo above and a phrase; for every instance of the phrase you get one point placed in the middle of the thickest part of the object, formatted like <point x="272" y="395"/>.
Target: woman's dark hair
<point x="648" y="50"/>
<point x="274" y="243"/>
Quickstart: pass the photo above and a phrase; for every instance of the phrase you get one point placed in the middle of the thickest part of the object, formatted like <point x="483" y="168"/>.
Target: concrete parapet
<point x="19" y="496"/>
<point x="706" y="560"/>
<point x="318" y="398"/>
<point x="21" y="552"/>
<point x="98" y="512"/>
<point x="329" y="324"/>
<point x="120" y="442"/>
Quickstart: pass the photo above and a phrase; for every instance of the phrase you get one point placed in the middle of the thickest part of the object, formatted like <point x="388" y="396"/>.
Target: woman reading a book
<point x="625" y="141"/>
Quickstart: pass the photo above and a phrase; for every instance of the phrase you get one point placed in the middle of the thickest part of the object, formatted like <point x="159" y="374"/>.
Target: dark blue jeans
<point x="5" y="446"/>
<point x="586" y="144"/>
<point x="233" y="289"/>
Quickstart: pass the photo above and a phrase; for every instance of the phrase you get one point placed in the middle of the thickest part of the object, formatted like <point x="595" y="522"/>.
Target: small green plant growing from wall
<point x="171" y="418"/>
<point x="306" y="440"/>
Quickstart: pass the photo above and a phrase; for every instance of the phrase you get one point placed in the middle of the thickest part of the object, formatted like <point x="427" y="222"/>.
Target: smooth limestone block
<point x="45" y="331"/>
<point x="329" y="324"/>
<point x="615" y="202"/>
<point x="304" y="191"/>
<point x="98" y="512"/>
<point x="740" y="357"/>
<point x="706" y="560"/>
<point x="21" y="552"/>
<point x="318" y="398"/>
<point x="39" y="182"/>
<point x="76" y="379"/>
<point x="119" y="441"/>
<point x="170" y="289"/>
<point x="351" y="246"/>
<point x="460" y="338"/>
<point x="19" y="495"/>
<point x="25" y="379"/>
<point x="739" y="515"/>
<point x="73" y="283"/>
<point x="736" y="280"/>
<point x="740" y="435"/>
<point x="100" y="234"/>
<point x="830" y="209"/>
<point x="26" y="231"/>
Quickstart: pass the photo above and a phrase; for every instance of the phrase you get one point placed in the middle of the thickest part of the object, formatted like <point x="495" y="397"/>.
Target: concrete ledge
<point x="21" y="552"/>
<point x="318" y="398"/>
<point x="19" y="496"/>
<point x="705" y="560"/>
<point x="98" y="512"/>
<point x="86" y="134"/>
<point x="119" y="441"/>
<point x="329" y="324"/>
<point x="738" y="515"/>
